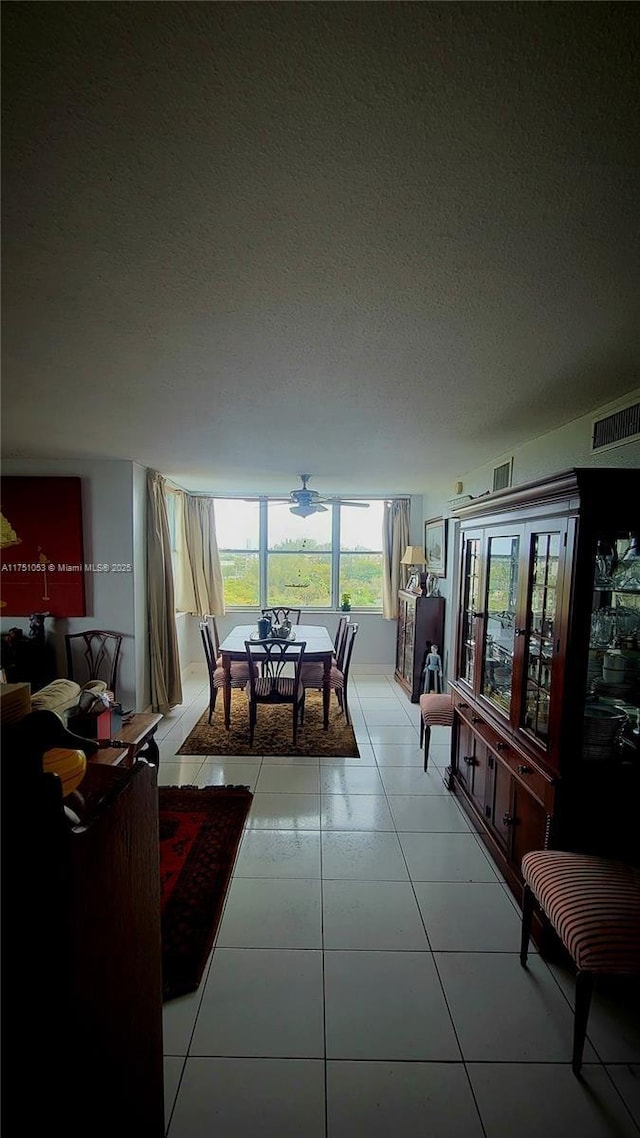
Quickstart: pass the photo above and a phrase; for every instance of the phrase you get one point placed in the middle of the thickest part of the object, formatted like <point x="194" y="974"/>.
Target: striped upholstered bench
<point x="594" y="906"/>
<point x="435" y="711"/>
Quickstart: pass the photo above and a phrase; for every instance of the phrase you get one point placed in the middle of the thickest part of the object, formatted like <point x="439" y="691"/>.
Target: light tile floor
<point x="365" y="980"/>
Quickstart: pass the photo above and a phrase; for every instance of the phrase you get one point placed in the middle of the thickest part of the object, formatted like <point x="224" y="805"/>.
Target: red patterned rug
<point x="200" y="831"/>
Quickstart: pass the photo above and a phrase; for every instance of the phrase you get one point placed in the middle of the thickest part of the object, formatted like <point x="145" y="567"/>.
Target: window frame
<point x="335" y="552"/>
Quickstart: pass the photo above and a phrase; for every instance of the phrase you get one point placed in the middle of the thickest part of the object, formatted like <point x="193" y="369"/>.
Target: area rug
<point x="273" y="734"/>
<point x="200" y="830"/>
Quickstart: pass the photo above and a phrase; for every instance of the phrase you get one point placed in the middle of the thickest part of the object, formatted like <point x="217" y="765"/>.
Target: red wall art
<point x="42" y="566"/>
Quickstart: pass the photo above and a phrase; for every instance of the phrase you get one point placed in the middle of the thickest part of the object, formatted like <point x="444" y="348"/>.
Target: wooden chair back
<point x="275" y="660"/>
<point x="93" y="655"/>
<point x="209" y="647"/>
<point x="210" y="619"/>
<point x="280" y="613"/>
<point x="340" y="640"/>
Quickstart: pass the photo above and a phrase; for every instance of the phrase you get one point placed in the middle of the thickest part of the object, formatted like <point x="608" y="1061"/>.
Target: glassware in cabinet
<point x="501" y="596"/>
<point x="612" y="696"/>
<point x="540" y="624"/>
<point x="470" y="605"/>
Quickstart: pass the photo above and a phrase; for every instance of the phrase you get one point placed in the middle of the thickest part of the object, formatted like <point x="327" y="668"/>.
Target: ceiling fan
<point x="305" y="502"/>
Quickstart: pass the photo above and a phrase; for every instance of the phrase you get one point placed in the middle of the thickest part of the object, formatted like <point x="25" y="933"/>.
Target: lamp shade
<point x="413" y="555"/>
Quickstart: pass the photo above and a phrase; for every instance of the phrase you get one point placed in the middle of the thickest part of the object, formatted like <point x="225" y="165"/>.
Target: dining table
<point x="319" y="649"/>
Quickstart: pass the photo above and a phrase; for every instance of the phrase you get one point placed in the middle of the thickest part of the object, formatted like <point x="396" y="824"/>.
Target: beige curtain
<point x="199" y="586"/>
<point x="166" y="687"/>
<point x="395" y="539"/>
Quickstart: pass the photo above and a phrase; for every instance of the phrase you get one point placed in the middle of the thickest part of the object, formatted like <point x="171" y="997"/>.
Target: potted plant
<point x="346" y="602"/>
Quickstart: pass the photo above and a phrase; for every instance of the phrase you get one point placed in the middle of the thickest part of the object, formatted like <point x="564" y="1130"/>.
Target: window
<point x="299" y="557"/>
<point x="238" y="536"/>
<point x="271" y="557"/>
<point x="361" y="555"/>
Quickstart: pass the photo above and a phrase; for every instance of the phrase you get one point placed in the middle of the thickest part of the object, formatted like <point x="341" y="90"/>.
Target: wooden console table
<point x="82" y="942"/>
<point x="137" y="735"/>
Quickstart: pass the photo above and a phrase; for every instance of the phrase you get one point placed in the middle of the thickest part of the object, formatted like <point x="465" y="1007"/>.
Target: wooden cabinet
<point x="83" y="952"/>
<point x="420" y="624"/>
<point x="27" y="659"/>
<point x="546" y="685"/>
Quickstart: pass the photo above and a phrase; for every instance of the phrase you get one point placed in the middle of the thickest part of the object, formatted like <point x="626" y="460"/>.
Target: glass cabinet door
<point x="470" y="598"/>
<point x="503" y="555"/>
<point x="541" y="616"/>
<point x="611" y="728"/>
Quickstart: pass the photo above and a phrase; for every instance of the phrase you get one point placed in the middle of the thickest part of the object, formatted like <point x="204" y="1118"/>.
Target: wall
<point x="559" y="450"/>
<point x="568" y="446"/>
<point x="190" y="648"/>
<point x="108" y="530"/>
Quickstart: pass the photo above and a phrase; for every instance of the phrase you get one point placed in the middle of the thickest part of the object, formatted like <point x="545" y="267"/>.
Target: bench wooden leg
<point x="584" y="989"/>
<point x="528" y="904"/>
<point x="427" y="740"/>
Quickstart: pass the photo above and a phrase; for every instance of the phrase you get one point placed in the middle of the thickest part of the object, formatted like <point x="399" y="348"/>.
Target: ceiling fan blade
<point x="360" y="505"/>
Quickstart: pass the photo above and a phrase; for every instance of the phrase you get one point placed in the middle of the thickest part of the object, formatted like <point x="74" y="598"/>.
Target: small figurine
<point x="433" y="671"/>
<point x="431" y="586"/>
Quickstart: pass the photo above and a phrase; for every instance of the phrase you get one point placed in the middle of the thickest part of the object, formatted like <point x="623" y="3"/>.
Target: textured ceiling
<point x="381" y="242"/>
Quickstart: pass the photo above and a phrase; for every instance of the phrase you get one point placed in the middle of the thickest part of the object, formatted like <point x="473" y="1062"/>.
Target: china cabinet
<point x="420" y="624"/>
<point x="546" y="686"/>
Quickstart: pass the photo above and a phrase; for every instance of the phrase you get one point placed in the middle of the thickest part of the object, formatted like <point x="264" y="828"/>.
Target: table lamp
<point x="414" y="556"/>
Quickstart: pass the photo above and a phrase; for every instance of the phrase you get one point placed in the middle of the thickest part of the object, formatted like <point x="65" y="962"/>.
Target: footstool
<point x="593" y="904"/>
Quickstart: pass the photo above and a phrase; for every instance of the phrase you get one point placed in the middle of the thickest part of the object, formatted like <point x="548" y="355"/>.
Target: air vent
<point x="459" y="500"/>
<point x="502" y="475"/>
<point x="620" y="427"/>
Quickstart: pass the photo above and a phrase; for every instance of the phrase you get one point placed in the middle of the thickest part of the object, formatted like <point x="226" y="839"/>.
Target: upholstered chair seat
<point x="435" y="711"/>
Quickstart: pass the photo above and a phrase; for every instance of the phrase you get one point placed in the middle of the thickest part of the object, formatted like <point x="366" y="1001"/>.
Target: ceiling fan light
<point x="303" y="511"/>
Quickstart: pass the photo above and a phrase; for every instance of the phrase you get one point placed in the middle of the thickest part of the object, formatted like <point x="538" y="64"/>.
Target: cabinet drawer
<point x="533" y="779"/>
<point x="538" y="784"/>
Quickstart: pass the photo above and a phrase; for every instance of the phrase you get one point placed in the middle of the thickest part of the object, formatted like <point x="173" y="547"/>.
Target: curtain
<point x="166" y="686"/>
<point x="199" y="587"/>
<point x="395" y="539"/>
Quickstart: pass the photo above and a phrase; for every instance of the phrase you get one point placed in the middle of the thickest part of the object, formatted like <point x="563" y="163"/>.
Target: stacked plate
<point x="622" y="690"/>
<point x="594" y="666"/>
<point x="602" y="726"/>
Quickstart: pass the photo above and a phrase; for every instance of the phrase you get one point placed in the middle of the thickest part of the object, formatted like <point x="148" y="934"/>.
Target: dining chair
<point x="313" y="674"/>
<point x="274" y="684"/>
<point x="239" y="675"/>
<point x="281" y="613"/>
<point x="93" y="655"/>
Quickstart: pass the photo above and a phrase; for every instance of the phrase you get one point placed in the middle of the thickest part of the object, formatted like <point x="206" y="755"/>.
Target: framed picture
<point x="435" y="546"/>
<point x="42" y="548"/>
